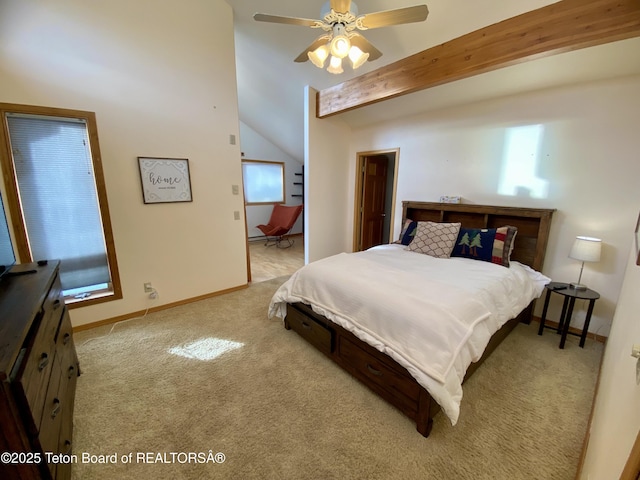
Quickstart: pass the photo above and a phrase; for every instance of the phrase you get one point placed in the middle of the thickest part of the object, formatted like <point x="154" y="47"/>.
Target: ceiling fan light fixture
<point x="335" y="65"/>
<point x="340" y="19"/>
<point x="319" y="55"/>
<point x="357" y="56"/>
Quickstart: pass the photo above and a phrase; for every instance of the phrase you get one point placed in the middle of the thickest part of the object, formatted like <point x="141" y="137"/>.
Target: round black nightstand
<point x="570" y="296"/>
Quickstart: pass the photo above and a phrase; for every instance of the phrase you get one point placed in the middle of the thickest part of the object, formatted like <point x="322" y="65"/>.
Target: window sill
<point x="92" y="299"/>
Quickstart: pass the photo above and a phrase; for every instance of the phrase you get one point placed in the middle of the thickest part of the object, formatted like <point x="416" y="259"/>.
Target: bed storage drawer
<point x="314" y="332"/>
<point x="395" y="380"/>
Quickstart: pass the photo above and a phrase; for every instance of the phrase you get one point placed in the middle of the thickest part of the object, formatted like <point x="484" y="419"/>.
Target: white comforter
<point x="433" y="316"/>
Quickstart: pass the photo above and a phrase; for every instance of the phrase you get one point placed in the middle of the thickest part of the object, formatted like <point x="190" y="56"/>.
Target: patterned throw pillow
<point x="487" y="244"/>
<point x="408" y="232"/>
<point x="435" y="239"/>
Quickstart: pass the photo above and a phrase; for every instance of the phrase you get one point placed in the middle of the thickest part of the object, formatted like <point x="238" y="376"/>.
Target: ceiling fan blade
<point x="321" y="40"/>
<point x="340" y="6"/>
<point x="304" y="22"/>
<point x="395" y="17"/>
<point x="366" y="46"/>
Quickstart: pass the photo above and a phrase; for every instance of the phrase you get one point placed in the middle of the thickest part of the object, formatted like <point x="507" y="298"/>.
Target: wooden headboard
<point x="533" y="224"/>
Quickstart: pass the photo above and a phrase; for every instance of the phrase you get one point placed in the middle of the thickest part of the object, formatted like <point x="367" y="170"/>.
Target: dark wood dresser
<point x="38" y="373"/>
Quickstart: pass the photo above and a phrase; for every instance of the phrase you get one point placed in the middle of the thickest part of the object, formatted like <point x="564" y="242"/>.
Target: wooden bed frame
<point x="378" y="371"/>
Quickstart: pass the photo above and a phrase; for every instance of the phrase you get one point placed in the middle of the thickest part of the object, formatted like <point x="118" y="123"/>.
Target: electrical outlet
<point x="148" y="288"/>
<point x="236" y="215"/>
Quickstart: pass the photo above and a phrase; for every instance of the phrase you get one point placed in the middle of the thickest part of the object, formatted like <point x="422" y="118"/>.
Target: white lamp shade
<point x="586" y="249"/>
<point x="340" y="43"/>
<point x="340" y="46"/>
<point x="319" y="55"/>
<point x="335" y="65"/>
<point x="357" y="56"/>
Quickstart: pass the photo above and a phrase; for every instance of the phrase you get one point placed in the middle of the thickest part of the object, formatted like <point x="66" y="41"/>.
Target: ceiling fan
<point x="340" y="20"/>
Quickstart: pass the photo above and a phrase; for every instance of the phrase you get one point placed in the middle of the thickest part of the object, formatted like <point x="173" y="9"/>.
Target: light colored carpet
<point x="278" y="409"/>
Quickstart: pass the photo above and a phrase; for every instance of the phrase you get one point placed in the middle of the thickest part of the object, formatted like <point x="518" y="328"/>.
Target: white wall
<point x="328" y="209"/>
<point x="255" y="147"/>
<point x="616" y="416"/>
<point x="161" y="78"/>
<point x="587" y="161"/>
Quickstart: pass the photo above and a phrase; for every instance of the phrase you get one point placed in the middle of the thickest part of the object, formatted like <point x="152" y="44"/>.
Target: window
<point x="263" y="182"/>
<point x="57" y="198"/>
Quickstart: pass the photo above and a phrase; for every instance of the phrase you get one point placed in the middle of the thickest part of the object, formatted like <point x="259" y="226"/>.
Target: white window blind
<point x="58" y="196"/>
<point x="263" y="181"/>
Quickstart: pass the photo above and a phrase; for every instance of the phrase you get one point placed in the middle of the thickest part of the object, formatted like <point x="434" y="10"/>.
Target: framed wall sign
<point x="165" y="180"/>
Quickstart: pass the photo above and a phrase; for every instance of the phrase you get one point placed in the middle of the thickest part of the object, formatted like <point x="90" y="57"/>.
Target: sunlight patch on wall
<point x="205" y="349"/>
<point x="520" y="162"/>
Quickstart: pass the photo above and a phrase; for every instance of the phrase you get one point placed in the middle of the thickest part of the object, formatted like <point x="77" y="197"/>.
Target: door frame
<point x="358" y="192"/>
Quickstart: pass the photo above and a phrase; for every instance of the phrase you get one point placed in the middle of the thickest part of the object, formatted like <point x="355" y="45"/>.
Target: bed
<point x="415" y="339"/>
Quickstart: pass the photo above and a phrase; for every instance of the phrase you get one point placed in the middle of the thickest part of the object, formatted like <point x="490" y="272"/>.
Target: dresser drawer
<point x="64" y="339"/>
<point x="56" y="428"/>
<point x="70" y="370"/>
<point x="397" y="383"/>
<point x="34" y="374"/>
<point x="315" y="333"/>
<point x="52" y="414"/>
<point x="33" y="379"/>
<point x="53" y="308"/>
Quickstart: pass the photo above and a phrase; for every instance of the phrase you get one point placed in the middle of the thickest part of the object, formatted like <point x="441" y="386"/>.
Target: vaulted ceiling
<point x="271" y="85"/>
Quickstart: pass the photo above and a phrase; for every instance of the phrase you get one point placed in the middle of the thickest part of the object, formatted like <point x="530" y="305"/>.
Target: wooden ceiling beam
<point x="560" y="27"/>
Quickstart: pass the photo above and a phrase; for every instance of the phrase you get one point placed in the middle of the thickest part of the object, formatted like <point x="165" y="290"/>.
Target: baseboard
<point x="127" y="316"/>
<point x="577" y="331"/>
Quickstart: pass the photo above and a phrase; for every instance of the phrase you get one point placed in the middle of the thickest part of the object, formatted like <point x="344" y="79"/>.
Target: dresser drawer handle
<point x="56" y="408"/>
<point x="56" y="304"/>
<point x="66" y="338"/>
<point x="72" y="370"/>
<point x="306" y="325"/>
<point x="375" y="371"/>
<point x="44" y="361"/>
<point x="67" y="447"/>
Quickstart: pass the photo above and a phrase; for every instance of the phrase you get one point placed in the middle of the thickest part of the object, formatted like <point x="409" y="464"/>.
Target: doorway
<point x="375" y="192"/>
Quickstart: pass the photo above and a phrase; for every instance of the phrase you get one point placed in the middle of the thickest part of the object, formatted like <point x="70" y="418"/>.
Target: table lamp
<point x="585" y="249"/>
